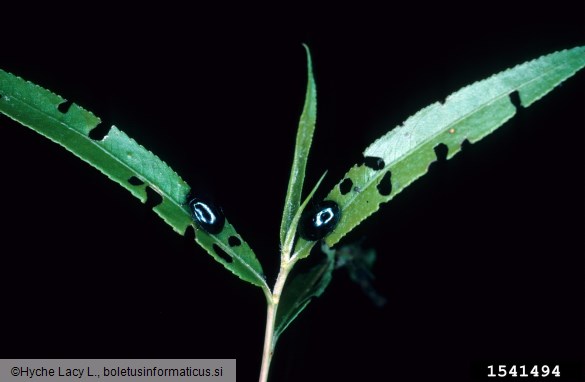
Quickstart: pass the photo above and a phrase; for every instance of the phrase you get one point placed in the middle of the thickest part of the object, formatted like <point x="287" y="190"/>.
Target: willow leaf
<point x="240" y="258"/>
<point x="303" y="145"/>
<point x="120" y="158"/>
<point x="302" y="288"/>
<point x="404" y="154"/>
<point x="292" y="233"/>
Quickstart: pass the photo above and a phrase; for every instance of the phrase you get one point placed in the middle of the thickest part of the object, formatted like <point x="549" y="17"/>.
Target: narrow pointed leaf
<point x="405" y="153"/>
<point x="303" y="145"/>
<point x="290" y="237"/>
<point x="302" y="288"/>
<point x="117" y="156"/>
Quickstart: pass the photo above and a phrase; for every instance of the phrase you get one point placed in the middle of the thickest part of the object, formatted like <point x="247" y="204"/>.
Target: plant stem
<point x="268" y="342"/>
<point x="272" y="302"/>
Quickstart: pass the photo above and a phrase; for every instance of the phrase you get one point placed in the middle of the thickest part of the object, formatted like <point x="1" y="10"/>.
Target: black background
<point x="481" y="260"/>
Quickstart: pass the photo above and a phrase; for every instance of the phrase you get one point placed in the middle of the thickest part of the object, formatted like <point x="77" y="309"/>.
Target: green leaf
<point x="241" y="261"/>
<point x="290" y="236"/>
<point x="302" y="147"/>
<point x="405" y="153"/>
<point x="120" y="158"/>
<point x="117" y="156"/>
<point x="301" y="288"/>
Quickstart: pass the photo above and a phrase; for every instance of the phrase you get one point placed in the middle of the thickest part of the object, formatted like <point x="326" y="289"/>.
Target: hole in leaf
<point x="222" y="254"/>
<point x="153" y="199"/>
<point x="135" y="181"/>
<point x="465" y="144"/>
<point x="385" y="185"/>
<point x="345" y="186"/>
<point x="234" y="241"/>
<point x="515" y="99"/>
<point x="374" y="163"/>
<point x="190" y="234"/>
<point x="99" y="132"/>
<point x="441" y="151"/>
<point x="64" y="106"/>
